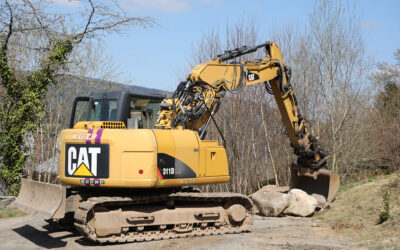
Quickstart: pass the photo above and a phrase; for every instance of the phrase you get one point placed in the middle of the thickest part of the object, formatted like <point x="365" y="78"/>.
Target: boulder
<point x="301" y="204"/>
<point x="321" y="200"/>
<point x="283" y="189"/>
<point x="270" y="203"/>
<point x="5" y="200"/>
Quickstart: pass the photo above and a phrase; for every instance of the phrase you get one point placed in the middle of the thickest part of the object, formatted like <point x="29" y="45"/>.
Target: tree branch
<point x="43" y="27"/>
<point x="344" y="118"/>
<point x="10" y="26"/>
<point x="7" y="74"/>
<point x="82" y="35"/>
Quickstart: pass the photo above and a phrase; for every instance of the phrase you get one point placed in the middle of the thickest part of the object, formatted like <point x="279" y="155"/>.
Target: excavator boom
<point x="196" y="101"/>
<point x="126" y="160"/>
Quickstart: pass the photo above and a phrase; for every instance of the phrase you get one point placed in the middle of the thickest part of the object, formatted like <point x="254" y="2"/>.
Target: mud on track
<point x="31" y="232"/>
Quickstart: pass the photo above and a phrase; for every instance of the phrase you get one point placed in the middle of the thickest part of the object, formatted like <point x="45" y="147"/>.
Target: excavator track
<point x="163" y="216"/>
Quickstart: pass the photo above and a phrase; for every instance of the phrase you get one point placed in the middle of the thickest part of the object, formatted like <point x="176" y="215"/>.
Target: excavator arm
<point x="196" y="100"/>
<point x="98" y="156"/>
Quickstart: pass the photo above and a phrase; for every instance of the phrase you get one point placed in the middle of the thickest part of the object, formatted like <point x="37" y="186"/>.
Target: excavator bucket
<point x="44" y="198"/>
<point x="322" y="182"/>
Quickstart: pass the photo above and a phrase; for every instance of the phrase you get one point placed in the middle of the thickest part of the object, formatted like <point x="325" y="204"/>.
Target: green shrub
<point x="385" y="213"/>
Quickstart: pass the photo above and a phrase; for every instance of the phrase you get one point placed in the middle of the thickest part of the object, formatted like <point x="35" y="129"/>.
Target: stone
<point x="321" y="200"/>
<point x="283" y="189"/>
<point x="301" y="204"/>
<point x="270" y="203"/>
<point x="5" y="201"/>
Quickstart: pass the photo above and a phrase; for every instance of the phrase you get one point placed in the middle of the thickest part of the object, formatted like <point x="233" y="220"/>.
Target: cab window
<point x="81" y="111"/>
<point x="143" y="112"/>
<point x="103" y="110"/>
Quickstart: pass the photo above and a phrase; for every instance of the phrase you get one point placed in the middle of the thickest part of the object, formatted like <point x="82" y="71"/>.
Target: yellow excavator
<point x="128" y="163"/>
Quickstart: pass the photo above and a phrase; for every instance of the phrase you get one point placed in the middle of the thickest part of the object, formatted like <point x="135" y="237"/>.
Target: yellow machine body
<point x="125" y="157"/>
<point x="139" y="158"/>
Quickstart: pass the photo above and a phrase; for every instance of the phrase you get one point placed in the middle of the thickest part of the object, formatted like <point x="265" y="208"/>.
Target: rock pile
<point x="276" y="201"/>
<point x="271" y="203"/>
<point x="301" y="204"/>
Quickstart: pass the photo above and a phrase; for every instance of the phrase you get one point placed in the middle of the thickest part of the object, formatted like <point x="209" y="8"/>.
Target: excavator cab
<point x="135" y="111"/>
<point x="119" y="140"/>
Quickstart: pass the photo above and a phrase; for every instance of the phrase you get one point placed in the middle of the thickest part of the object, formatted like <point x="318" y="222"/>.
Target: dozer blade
<point x="47" y="199"/>
<point x="322" y="182"/>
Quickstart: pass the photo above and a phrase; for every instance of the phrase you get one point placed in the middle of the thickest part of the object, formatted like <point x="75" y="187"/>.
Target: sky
<point x="157" y="57"/>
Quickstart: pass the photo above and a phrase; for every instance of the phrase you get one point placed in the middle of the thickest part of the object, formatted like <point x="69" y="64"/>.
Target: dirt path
<point x="31" y="232"/>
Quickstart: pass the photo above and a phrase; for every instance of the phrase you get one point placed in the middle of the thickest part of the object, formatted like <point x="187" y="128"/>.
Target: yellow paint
<point x="194" y="181"/>
<point x="187" y="181"/>
<point x="135" y="149"/>
<point x="83" y="136"/>
<point x="216" y="156"/>
<point x="82" y="170"/>
<point x="202" y="164"/>
<point x="133" y="162"/>
<point x="122" y="172"/>
<point x="222" y="75"/>
<point x="186" y="142"/>
<point x="99" y="125"/>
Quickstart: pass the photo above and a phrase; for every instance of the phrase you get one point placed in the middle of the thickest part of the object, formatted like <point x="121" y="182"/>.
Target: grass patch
<point x="10" y="212"/>
<point x="368" y="212"/>
<point x="348" y="186"/>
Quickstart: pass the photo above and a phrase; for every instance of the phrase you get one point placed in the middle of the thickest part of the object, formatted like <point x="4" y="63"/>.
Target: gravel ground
<point x="32" y="232"/>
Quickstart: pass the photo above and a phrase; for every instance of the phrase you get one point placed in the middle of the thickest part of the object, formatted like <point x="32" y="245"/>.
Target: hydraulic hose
<point x="284" y="88"/>
<point x="241" y="80"/>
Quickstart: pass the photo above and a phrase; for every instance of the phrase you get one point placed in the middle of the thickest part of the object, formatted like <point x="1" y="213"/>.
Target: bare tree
<point x="247" y="119"/>
<point x="330" y="70"/>
<point x="340" y="64"/>
<point x="31" y="37"/>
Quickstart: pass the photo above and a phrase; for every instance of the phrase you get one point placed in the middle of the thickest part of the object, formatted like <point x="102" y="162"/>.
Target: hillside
<point x="357" y="210"/>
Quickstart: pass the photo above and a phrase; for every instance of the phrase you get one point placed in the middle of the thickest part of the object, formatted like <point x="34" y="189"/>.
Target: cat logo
<point x="252" y="77"/>
<point x="86" y="160"/>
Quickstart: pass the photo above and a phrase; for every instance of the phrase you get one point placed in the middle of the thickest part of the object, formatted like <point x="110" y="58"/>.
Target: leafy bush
<point x="385" y="213"/>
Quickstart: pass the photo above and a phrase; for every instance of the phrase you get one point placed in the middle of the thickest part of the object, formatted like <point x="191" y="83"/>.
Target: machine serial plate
<point x="83" y="160"/>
